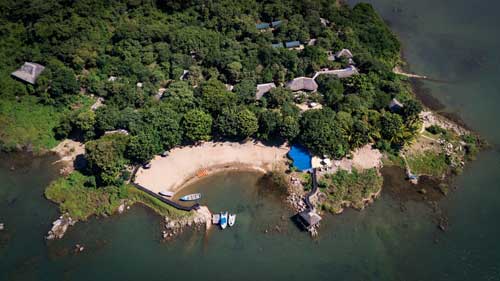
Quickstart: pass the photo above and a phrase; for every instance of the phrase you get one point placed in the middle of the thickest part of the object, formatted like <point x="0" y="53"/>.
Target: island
<point x="139" y="98"/>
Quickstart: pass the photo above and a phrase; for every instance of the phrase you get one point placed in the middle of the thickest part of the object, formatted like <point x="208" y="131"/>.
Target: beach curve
<point x="185" y="165"/>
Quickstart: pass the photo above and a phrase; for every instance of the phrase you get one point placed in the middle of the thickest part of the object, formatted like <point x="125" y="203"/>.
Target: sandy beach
<point x="186" y="164"/>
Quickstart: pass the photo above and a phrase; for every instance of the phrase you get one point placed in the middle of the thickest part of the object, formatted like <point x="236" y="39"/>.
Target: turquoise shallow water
<point x="453" y="41"/>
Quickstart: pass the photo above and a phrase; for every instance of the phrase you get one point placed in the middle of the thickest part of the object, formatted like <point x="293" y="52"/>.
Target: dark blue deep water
<point x="456" y="42"/>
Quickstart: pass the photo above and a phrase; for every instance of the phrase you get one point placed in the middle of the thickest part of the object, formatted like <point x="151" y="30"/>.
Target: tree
<point x="84" y="121"/>
<point x="246" y="91"/>
<point x="411" y="111"/>
<point x="197" y="125"/>
<point x="234" y="71"/>
<point x="247" y="122"/>
<point x="268" y="124"/>
<point x="289" y="128"/>
<point x="321" y="135"/>
<point x="237" y="123"/>
<point x="331" y="88"/>
<point x="277" y="97"/>
<point x="393" y="128"/>
<point x="180" y="95"/>
<point x="106" y="159"/>
<point x="214" y="96"/>
<point x="142" y="147"/>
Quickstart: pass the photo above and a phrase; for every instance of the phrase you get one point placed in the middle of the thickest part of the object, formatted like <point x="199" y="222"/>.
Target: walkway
<point x="161" y="198"/>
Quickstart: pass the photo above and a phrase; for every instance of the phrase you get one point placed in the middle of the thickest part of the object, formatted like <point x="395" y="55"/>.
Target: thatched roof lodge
<point x="302" y="84"/>
<point x="262" y="89"/>
<point x="29" y="72"/>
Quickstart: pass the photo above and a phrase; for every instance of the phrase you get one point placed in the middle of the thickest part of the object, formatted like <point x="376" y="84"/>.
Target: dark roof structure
<point x="277" y="45"/>
<point x="29" y="72"/>
<point x="263" y="25"/>
<point x="395" y="105"/>
<point x="292" y="44"/>
<point x="276" y="23"/>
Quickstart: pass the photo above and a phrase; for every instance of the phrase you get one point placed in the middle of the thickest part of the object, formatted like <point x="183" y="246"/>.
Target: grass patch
<point x="428" y="163"/>
<point x="352" y="187"/>
<point x="27" y="122"/>
<point x="81" y="201"/>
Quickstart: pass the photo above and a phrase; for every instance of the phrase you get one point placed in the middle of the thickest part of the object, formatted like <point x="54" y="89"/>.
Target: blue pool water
<point x="301" y="157"/>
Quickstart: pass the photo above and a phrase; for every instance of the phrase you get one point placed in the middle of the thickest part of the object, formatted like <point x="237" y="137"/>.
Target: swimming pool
<point x="301" y="157"/>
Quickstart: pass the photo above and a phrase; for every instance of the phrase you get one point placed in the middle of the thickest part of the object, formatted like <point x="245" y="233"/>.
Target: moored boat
<point x="232" y="219"/>
<point x="166" y="193"/>
<point x="191" y="197"/>
<point x="223" y="220"/>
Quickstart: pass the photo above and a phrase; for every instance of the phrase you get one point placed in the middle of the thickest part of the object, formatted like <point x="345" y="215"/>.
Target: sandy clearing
<point x="185" y="164"/>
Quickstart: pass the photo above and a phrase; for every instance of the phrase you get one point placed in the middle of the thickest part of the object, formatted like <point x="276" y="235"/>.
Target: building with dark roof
<point x="277" y="45"/>
<point x="292" y="44"/>
<point x="395" y="105"/>
<point x="276" y="23"/>
<point x="263" y="25"/>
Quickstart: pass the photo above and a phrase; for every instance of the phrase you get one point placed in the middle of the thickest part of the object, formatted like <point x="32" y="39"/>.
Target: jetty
<point x="176" y="205"/>
<point x="309" y="218"/>
<point x="398" y="70"/>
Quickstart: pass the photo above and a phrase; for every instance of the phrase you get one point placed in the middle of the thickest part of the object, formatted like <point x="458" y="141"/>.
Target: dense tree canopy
<point x="207" y="58"/>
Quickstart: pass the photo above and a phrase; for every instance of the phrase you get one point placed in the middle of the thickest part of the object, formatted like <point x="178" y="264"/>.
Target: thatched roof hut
<point x="309" y="218"/>
<point x="262" y="89"/>
<point x="29" y="72"/>
<point x="302" y="83"/>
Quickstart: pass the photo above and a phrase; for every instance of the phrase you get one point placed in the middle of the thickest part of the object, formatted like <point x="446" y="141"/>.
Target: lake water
<point x="455" y="42"/>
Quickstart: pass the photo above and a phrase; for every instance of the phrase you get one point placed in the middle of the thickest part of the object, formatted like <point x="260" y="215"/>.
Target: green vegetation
<point x="429" y="163"/>
<point x="349" y="188"/>
<point x="148" y="45"/>
<point x="25" y="122"/>
<point x="77" y="195"/>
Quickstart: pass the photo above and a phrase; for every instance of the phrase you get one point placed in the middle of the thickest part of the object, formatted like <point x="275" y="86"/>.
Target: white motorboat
<point x="223" y="220"/>
<point x="232" y="219"/>
<point x="191" y="197"/>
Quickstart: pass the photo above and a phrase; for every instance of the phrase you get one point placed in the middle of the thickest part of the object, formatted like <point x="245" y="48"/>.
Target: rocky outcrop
<point x="60" y="226"/>
<point x="199" y="219"/>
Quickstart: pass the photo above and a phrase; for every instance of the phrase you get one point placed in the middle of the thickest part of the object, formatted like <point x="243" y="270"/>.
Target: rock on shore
<point x="201" y="217"/>
<point x="60" y="226"/>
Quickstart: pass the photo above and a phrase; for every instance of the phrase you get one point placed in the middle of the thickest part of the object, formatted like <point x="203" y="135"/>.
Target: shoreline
<point x="180" y="168"/>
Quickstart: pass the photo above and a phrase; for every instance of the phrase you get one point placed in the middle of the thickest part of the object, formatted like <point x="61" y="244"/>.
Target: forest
<point x="125" y="51"/>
